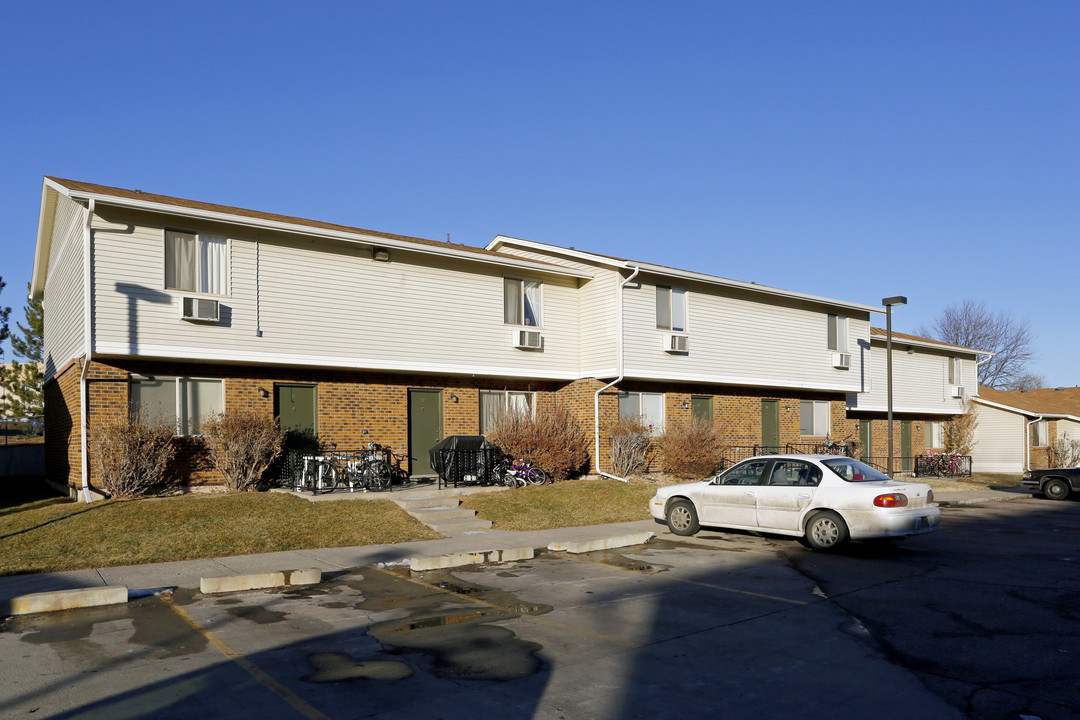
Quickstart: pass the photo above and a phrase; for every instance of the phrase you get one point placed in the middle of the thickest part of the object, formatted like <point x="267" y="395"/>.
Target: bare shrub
<point x="629" y="446"/>
<point x="690" y="449"/>
<point x="553" y="440"/>
<point x="132" y="455"/>
<point x="1063" y="453"/>
<point x="241" y="445"/>
<point x="959" y="433"/>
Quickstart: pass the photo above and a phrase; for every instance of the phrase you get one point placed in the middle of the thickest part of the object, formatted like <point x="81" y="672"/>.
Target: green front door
<point x="701" y="409"/>
<point x="866" y="439"/>
<point x="770" y="425"/>
<point x="905" y="446"/>
<point x="294" y="406"/>
<point x="425" y="428"/>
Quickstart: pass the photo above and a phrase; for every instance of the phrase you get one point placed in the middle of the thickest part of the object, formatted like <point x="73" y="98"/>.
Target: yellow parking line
<point x="534" y="618"/>
<point x="297" y="703"/>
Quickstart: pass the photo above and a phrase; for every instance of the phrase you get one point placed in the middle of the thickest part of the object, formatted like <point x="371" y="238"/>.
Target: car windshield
<point x="853" y="470"/>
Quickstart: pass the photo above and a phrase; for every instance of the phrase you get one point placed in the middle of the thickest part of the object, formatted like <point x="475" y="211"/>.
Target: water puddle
<point x="257" y="614"/>
<point x="338" y="667"/>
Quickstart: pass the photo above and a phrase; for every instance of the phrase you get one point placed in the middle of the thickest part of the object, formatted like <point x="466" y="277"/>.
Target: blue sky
<point x="847" y="149"/>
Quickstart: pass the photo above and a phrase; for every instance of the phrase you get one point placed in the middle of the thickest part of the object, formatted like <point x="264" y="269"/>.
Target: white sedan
<point x="824" y="500"/>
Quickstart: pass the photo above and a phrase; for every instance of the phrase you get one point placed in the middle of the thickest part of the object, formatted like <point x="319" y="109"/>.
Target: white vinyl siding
<point x="647" y="406"/>
<point x="999" y="441"/>
<point x="920" y="381"/>
<point x="814" y="417"/>
<point x="328" y="303"/>
<point x="740" y="338"/>
<point x="63" y="298"/>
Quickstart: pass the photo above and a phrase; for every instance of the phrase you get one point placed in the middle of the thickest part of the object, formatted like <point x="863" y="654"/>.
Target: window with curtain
<point x="521" y="302"/>
<point x="954" y="371"/>
<point x="838" y="333"/>
<point x="937" y="434"/>
<point x="494" y="403"/>
<point x="670" y="309"/>
<point x="178" y="401"/>
<point x="195" y="262"/>
<point x="1040" y="434"/>
<point x="814" y="417"/>
<point x="649" y="407"/>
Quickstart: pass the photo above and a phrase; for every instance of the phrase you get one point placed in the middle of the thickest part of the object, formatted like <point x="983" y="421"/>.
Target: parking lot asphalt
<point x="722" y="624"/>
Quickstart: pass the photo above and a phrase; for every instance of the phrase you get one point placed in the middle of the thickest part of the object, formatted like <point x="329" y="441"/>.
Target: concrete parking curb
<point x="439" y="562"/>
<point x="259" y="581"/>
<point x="584" y="546"/>
<point x="64" y="600"/>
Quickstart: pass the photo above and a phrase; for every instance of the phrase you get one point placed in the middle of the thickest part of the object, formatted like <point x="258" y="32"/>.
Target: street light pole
<point x="888" y="303"/>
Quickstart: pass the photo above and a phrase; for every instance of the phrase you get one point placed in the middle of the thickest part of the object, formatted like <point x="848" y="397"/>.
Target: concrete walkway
<point x="187" y="573"/>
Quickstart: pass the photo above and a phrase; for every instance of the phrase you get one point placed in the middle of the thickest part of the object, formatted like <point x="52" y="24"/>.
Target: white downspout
<point x="596" y="397"/>
<point x="84" y="386"/>
<point x="1027" y="443"/>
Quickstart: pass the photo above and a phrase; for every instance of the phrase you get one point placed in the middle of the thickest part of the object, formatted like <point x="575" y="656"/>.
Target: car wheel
<point x="1056" y="489"/>
<point x="826" y="531"/>
<point x="682" y="518"/>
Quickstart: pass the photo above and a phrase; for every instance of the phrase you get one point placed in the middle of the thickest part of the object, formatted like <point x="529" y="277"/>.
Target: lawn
<point x="50" y="534"/>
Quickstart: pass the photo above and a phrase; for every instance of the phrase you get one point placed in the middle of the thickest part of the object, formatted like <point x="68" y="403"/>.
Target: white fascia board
<point x="681" y="274"/>
<point x="635" y="374"/>
<point x="930" y="344"/>
<point x="43" y="247"/>
<point x="292" y="228"/>
<point x="169" y="352"/>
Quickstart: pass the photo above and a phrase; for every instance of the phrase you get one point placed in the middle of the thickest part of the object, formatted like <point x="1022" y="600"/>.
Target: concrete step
<point x="422" y="503"/>
<point x="462" y="526"/>
<point x="443" y="515"/>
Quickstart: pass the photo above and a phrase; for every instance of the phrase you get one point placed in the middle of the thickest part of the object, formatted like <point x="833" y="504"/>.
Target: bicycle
<point x="519" y="473"/>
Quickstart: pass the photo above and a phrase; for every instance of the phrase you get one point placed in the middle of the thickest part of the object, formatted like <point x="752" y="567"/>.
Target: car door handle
<point x="804" y="495"/>
<point x="748" y="492"/>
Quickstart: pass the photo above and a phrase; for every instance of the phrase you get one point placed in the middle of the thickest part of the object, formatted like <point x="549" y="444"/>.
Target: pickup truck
<point x="1055" y="483"/>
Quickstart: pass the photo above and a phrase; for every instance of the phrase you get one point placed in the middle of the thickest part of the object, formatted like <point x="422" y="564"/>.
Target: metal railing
<point x="16" y="431"/>
<point x="943" y="465"/>
<point x="736" y="453"/>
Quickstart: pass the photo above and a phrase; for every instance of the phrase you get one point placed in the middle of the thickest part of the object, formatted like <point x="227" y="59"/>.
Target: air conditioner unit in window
<point x="528" y="339"/>
<point x="199" y="309"/>
<point x="841" y="360"/>
<point x="956" y="391"/>
<point x="676" y="343"/>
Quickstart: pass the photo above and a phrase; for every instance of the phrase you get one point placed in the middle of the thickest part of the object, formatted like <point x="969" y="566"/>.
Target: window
<point x="701" y="409"/>
<point x="814" y="417"/>
<point x="838" y="327"/>
<point x="790" y="473"/>
<point x="670" y="309"/>
<point x="747" y="473"/>
<point x="177" y="401"/>
<point x="493" y="403"/>
<point x="937" y="434"/>
<point x="521" y="302"/>
<point x="954" y="371"/>
<point x="1039" y="434"/>
<point x="195" y="263"/>
<point x="647" y="406"/>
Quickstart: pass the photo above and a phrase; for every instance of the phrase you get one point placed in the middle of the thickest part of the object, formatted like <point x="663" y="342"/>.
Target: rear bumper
<point x="914" y="521"/>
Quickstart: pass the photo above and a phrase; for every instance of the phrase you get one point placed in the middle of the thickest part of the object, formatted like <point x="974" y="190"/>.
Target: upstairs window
<point x="648" y="407"/>
<point x="670" y="309"/>
<point x="814" y="417"/>
<point x="838" y="333"/>
<point x="521" y="302"/>
<point x="954" y="371"/>
<point x="495" y="403"/>
<point x="195" y="262"/>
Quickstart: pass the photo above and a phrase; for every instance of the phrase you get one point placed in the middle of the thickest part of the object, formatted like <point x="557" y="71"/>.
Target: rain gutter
<point x="596" y="397"/>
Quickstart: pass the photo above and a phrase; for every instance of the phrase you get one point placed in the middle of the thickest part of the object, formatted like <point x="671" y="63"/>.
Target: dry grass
<point x="56" y="534"/>
<point x="572" y="503"/>
<point x="977" y="481"/>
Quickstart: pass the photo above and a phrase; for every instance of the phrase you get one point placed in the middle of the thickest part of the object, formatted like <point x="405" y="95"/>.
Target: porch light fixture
<point x="453" y="397"/>
<point x="263" y="392"/>
<point x="888" y="303"/>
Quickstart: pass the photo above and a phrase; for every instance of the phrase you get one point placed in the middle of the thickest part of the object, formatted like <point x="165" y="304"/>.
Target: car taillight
<point x="891" y="500"/>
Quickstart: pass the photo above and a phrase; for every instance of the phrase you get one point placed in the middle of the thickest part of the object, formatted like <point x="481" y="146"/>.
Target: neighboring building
<point x="1016" y="427"/>
<point x="188" y="308"/>
<point x="932" y="381"/>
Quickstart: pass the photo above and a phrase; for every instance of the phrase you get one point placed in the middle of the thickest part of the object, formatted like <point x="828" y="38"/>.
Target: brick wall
<point x="63" y="453"/>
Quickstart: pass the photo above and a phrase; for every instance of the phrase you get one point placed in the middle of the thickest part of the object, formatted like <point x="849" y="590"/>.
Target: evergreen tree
<point x="4" y="312"/>
<point x="22" y="380"/>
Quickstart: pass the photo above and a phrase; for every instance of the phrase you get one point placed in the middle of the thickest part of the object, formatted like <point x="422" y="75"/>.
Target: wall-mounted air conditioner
<point x="841" y="360"/>
<point x="199" y="309"/>
<point x="528" y="339"/>
<point x="676" y="343"/>
<point x="956" y="391"/>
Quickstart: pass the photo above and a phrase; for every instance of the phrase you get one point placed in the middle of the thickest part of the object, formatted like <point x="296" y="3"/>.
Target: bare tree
<point x="972" y="325"/>
<point x="1028" y="381"/>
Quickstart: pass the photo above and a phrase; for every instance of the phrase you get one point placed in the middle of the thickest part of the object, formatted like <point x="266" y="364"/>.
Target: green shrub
<point x="552" y="440"/>
<point x="690" y="449"/>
